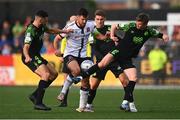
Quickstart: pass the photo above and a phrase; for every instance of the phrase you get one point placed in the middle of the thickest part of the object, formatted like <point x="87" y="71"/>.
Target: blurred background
<point x="15" y="15"/>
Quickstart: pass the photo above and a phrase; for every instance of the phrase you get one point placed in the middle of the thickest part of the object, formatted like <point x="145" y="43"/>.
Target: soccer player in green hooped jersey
<point x="32" y="59"/>
<point x="101" y="48"/>
<point x="135" y="35"/>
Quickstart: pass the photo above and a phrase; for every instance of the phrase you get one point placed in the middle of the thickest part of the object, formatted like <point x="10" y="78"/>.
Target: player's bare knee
<point x="85" y="86"/>
<point x="45" y="76"/>
<point x="124" y="83"/>
<point x="76" y="72"/>
<point x="133" y="78"/>
<point x="55" y="75"/>
<point x="85" y="83"/>
<point x="93" y="87"/>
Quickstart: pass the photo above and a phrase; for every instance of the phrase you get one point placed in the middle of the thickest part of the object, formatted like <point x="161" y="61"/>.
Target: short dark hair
<point x="100" y="13"/>
<point x="41" y="13"/>
<point x="82" y="12"/>
<point x="144" y="17"/>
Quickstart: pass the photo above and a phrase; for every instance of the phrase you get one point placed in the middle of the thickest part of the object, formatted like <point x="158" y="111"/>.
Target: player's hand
<point x="28" y="59"/>
<point x="116" y="43"/>
<point x="165" y="37"/>
<point x="107" y="34"/>
<point x="115" y="39"/>
<point x="57" y="53"/>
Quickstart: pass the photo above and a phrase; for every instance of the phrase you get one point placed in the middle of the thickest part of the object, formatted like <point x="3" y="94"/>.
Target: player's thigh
<point x="52" y="70"/>
<point x="71" y="65"/>
<point x="43" y="72"/>
<point x="123" y="79"/>
<point x="131" y="73"/>
<point x="121" y="76"/>
<point x="115" y="69"/>
<point x="94" y="83"/>
<point x="106" y="60"/>
<point x="74" y="67"/>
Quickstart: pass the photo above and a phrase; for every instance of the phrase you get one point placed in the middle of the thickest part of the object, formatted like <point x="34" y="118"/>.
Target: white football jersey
<point x="77" y="40"/>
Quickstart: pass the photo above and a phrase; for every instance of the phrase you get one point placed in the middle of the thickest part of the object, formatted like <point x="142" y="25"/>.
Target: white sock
<point x="83" y="98"/>
<point x="69" y="79"/>
<point x="68" y="82"/>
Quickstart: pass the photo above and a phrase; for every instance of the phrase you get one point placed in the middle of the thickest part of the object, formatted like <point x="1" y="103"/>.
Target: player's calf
<point x="32" y="98"/>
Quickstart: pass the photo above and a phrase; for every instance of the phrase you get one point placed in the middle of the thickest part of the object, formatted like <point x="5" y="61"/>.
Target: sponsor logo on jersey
<point x="138" y="40"/>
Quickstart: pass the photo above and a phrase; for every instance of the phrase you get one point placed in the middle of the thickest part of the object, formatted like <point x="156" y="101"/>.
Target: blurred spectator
<point x="49" y="49"/>
<point x="17" y="29"/>
<point x="154" y="4"/>
<point x="52" y="36"/>
<point x="173" y="50"/>
<point x="7" y="49"/>
<point x="3" y="38"/>
<point x="47" y="45"/>
<point x="6" y="29"/>
<point x="142" y="52"/>
<point x="27" y="21"/>
<point x="176" y="33"/>
<point x="158" y="58"/>
<point x="3" y="41"/>
<point x="17" y="48"/>
<point x="163" y="29"/>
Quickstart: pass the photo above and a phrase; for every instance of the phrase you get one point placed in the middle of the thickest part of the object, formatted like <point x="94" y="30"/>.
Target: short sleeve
<point x="155" y="33"/>
<point x="95" y="32"/>
<point x="29" y="35"/>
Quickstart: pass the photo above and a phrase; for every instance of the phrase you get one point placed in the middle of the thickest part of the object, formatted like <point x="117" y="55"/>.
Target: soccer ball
<point x="86" y="64"/>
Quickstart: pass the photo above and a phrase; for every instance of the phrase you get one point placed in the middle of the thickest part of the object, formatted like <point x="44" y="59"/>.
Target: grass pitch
<point x="151" y="104"/>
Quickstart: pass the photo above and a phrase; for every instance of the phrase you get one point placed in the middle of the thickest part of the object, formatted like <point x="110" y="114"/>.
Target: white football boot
<point x="132" y="107"/>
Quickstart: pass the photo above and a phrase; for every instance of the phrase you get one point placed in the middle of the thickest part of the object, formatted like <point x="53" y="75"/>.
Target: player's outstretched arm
<point x="57" y="31"/>
<point x="102" y="37"/>
<point x="112" y="33"/>
<point x="57" y="39"/>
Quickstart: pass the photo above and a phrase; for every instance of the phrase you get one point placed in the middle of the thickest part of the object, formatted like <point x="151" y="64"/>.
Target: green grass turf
<point x="154" y="104"/>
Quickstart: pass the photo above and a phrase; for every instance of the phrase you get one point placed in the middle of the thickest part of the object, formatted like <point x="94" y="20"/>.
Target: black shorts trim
<point x="126" y="63"/>
<point x="37" y="60"/>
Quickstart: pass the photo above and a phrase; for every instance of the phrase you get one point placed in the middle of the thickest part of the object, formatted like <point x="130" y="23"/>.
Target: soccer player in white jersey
<point x="76" y="52"/>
